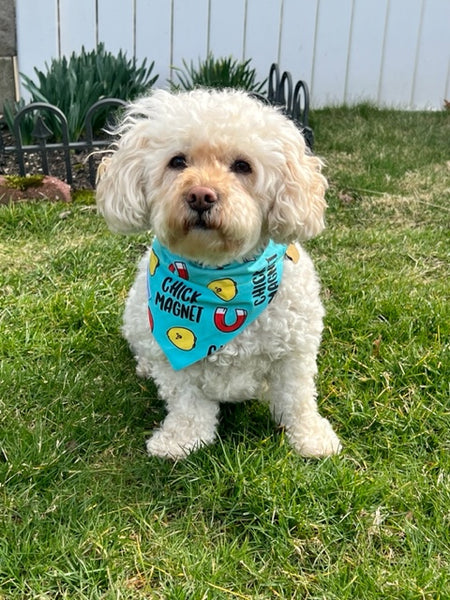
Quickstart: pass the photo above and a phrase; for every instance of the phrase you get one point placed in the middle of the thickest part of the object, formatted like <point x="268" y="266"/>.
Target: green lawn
<point x="85" y="514"/>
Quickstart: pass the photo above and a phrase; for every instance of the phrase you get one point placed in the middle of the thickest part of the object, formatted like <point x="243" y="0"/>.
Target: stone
<point x="50" y="188"/>
<point x="7" y="81"/>
<point x="7" y="28"/>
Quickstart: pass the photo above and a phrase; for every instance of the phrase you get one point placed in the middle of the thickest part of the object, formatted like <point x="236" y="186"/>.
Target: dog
<point x="225" y="306"/>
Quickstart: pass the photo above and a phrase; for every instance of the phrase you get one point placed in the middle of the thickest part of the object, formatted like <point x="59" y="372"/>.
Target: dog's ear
<point x="121" y="197"/>
<point x="299" y="205"/>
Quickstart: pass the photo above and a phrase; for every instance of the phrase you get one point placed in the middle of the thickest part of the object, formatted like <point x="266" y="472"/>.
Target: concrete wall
<point x="7" y="51"/>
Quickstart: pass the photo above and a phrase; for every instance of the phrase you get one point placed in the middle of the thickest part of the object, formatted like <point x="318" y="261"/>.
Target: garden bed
<point x="57" y="167"/>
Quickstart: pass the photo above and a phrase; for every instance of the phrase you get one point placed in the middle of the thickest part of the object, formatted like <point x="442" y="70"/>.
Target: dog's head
<point x="213" y="174"/>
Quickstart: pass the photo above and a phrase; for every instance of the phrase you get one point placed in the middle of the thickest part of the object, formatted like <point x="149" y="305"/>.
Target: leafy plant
<point x="226" y="72"/>
<point x="10" y="110"/>
<point x="75" y="84"/>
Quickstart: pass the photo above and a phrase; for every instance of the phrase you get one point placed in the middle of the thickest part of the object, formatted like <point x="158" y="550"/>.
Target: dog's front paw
<point x="164" y="446"/>
<point x="167" y="444"/>
<point x="316" y="440"/>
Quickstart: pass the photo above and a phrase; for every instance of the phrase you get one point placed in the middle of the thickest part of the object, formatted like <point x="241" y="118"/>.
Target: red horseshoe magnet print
<point x="150" y="319"/>
<point x="219" y="319"/>
<point x="180" y="268"/>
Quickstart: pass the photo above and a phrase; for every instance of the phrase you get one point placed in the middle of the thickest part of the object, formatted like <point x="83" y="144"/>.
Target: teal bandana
<point x="194" y="310"/>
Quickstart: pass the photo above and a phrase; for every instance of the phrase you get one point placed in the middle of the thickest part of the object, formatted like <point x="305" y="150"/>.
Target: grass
<point x="85" y="514"/>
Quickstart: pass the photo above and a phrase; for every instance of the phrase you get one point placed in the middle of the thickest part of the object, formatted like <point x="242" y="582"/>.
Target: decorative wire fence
<point x="293" y="101"/>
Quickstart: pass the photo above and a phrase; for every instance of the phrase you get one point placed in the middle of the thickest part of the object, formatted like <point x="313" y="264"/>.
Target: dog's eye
<point x="178" y="162"/>
<point x="242" y="167"/>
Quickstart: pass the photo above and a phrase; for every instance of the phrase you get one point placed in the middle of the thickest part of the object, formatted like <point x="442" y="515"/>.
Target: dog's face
<point x="213" y="174"/>
<point x="206" y="206"/>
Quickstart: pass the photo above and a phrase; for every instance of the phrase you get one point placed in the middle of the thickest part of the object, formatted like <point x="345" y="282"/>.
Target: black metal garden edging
<point x="294" y="102"/>
<point x="41" y="133"/>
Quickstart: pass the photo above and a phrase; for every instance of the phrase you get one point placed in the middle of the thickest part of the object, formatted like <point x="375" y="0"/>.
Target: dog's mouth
<point x="201" y="222"/>
<point x="205" y="238"/>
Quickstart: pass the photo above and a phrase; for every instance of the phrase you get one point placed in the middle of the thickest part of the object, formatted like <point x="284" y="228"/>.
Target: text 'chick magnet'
<point x="195" y="310"/>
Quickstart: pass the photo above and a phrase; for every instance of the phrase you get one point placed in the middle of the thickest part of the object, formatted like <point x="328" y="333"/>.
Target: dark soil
<point x="56" y="163"/>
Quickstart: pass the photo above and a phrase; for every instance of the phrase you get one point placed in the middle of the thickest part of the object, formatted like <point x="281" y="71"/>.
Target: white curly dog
<point x="218" y="177"/>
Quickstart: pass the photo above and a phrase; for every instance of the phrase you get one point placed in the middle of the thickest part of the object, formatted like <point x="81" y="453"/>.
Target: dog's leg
<point x="190" y="423"/>
<point x="293" y="405"/>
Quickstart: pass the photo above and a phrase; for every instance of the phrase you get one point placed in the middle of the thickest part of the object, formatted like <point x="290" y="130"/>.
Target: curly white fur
<point x="280" y="196"/>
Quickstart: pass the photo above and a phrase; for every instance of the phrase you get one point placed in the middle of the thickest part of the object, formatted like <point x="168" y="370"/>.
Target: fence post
<point x="7" y="52"/>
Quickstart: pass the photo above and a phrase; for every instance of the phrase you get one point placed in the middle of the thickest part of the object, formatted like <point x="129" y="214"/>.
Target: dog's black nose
<point x="201" y="199"/>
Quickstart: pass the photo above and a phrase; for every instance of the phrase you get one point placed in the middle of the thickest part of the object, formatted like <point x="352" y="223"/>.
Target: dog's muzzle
<point x="201" y="200"/>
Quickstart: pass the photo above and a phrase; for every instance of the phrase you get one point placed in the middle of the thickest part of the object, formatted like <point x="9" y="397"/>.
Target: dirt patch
<point x="56" y="163"/>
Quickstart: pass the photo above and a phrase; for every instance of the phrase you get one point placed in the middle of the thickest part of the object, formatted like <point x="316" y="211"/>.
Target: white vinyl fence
<point x="390" y="52"/>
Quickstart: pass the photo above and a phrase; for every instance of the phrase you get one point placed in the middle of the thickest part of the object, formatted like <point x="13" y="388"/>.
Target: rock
<point x="49" y="188"/>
